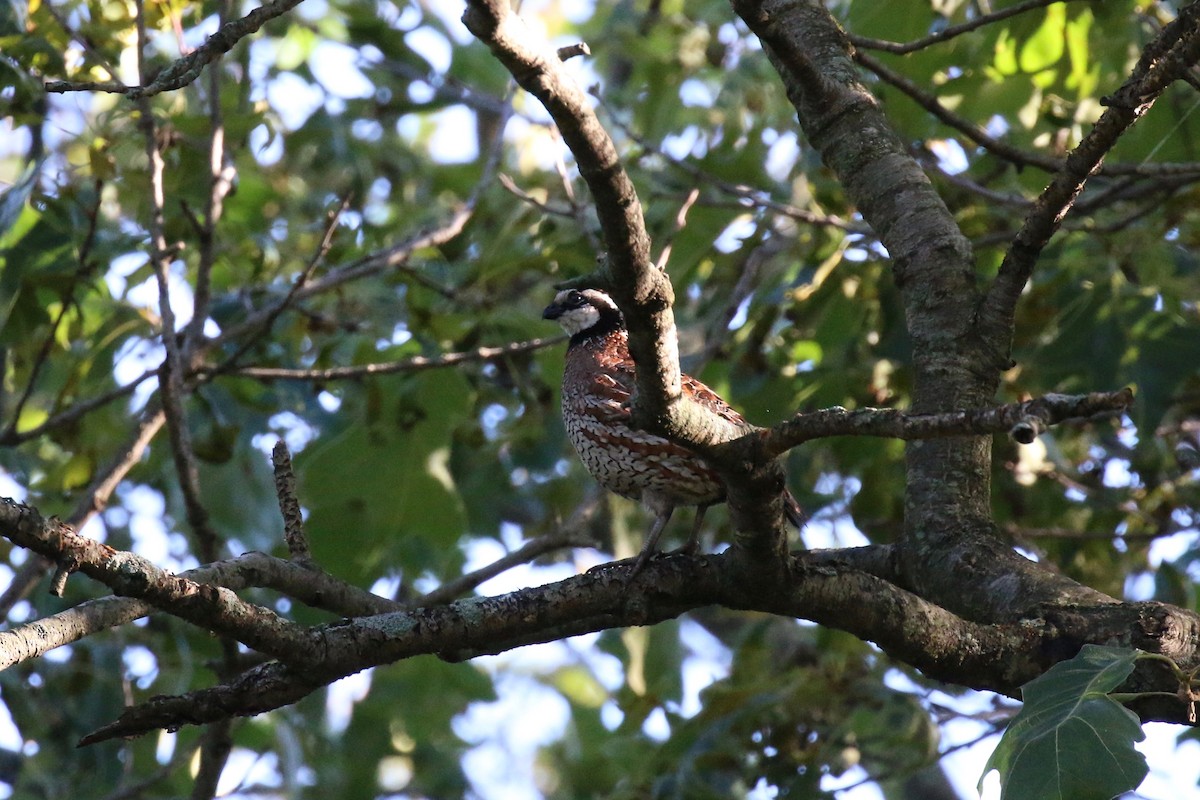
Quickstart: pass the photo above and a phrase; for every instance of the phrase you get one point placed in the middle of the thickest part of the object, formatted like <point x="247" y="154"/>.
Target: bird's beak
<point x="552" y="311"/>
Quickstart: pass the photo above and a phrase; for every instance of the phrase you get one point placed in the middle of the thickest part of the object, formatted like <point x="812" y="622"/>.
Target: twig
<point x="76" y="412"/>
<point x="171" y="374"/>
<point x="185" y="70"/>
<point x="289" y="506"/>
<point x="511" y="187"/>
<point x="565" y="536"/>
<point x="975" y="133"/>
<point x="221" y="178"/>
<point x="522" y="555"/>
<point x="216" y="743"/>
<point x="747" y="195"/>
<point x="950" y="31"/>
<point x="579" y="208"/>
<point x="998" y="147"/>
<point x="414" y="364"/>
<point x="39" y="362"/>
<point x="95" y="497"/>
<point x="680" y="223"/>
<point x="265" y="321"/>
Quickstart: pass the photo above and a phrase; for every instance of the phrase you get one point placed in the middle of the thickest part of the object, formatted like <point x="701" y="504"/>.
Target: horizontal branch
<point x="817" y="587"/>
<point x="414" y="364"/>
<point x="1023" y="421"/>
<point x="314" y="588"/>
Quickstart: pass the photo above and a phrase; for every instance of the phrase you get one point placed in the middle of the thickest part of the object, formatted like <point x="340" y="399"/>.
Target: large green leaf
<point x="379" y="490"/>
<point x="1072" y="741"/>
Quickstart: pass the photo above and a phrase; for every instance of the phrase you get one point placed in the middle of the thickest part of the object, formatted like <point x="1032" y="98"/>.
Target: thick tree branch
<point x="315" y="588"/>
<point x="213" y="608"/>
<point x="995" y="656"/>
<point x="643" y="292"/>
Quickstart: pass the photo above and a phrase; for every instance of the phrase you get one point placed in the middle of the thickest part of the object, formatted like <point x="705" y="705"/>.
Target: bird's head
<point x="584" y="312"/>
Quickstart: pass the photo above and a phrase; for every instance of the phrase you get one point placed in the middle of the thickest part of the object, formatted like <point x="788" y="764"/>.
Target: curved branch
<point x="1000" y="148"/>
<point x="313" y="587"/>
<point x="187" y="69"/>
<point x="998" y="656"/>
<point x="950" y="31"/>
<point x="643" y="292"/>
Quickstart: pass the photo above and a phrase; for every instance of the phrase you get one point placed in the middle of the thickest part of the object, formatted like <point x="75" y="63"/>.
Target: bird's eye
<point x="574" y="298"/>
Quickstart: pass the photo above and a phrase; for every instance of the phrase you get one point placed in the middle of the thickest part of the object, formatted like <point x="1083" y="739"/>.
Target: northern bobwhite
<point x="597" y="384"/>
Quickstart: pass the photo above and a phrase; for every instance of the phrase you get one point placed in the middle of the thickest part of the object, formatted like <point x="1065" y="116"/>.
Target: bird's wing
<point x="607" y="397"/>
<point x="697" y="392"/>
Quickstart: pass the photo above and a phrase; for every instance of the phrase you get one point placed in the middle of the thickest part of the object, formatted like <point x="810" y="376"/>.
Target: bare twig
<point x="289" y="506"/>
<point x="211" y="608"/>
<point x="975" y="133"/>
<point x="414" y="364"/>
<point x="265" y="321"/>
<point x="950" y="31"/>
<point x="222" y="174"/>
<point x="216" y="743"/>
<point x="511" y="187"/>
<point x="680" y="223"/>
<point x="185" y="70"/>
<point x="171" y="373"/>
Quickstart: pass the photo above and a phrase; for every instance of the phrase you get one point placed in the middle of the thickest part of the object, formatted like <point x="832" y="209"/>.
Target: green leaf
<point x="1046" y="46"/>
<point x="1072" y="741"/>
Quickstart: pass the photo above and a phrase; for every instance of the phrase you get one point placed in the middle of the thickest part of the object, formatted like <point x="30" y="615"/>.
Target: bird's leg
<point x="660" y="522"/>
<point x="693" y="542"/>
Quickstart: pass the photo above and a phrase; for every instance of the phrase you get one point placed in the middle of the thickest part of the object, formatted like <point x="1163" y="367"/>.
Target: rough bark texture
<point x="948" y="553"/>
<point x="950" y="597"/>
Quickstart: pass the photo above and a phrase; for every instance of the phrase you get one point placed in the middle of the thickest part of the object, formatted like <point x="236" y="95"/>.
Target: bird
<point x="597" y="385"/>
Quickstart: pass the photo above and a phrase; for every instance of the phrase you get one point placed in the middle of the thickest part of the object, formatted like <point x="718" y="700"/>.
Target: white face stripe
<point x="579" y="319"/>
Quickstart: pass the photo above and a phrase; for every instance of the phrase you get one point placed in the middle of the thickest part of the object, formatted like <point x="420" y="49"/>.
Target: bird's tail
<point x="793" y="511"/>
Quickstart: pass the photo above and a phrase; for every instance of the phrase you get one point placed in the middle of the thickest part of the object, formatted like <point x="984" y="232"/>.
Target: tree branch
<point x="999" y="657"/>
<point x="414" y="364"/>
<point x="642" y="292"/>
<point x="1023" y="421"/>
<point x="950" y="31"/>
<point x="187" y="69"/>
<point x="313" y="587"/>
<point x="212" y="608"/>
